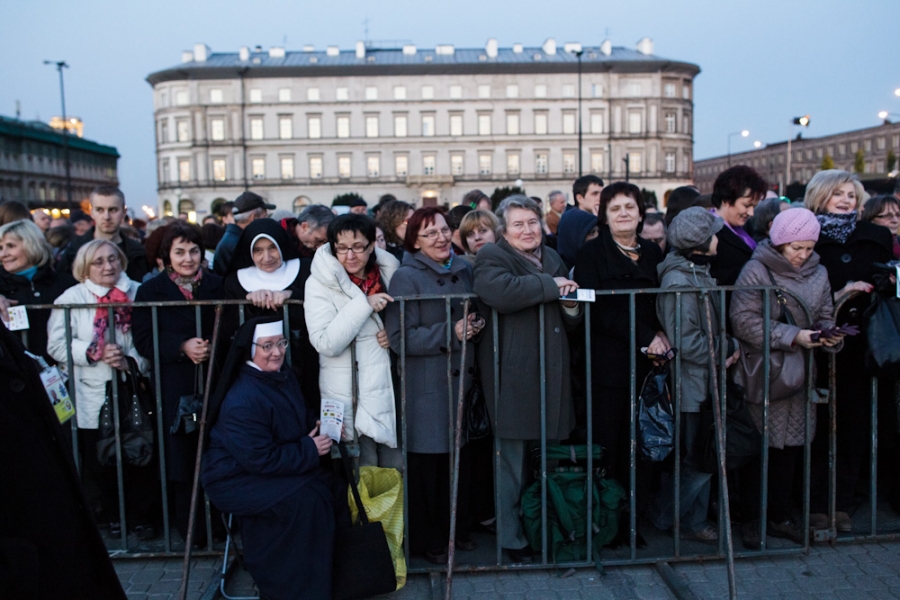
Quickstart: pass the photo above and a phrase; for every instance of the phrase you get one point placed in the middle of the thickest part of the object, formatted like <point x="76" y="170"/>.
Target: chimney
<point x="606" y="48"/>
<point x="360" y="50"/>
<point x="244" y="53"/>
<point x="444" y="49"/>
<point x="491" y="48"/>
<point x="409" y="49"/>
<point x="517" y="48"/>
<point x="549" y="46"/>
<point x="276" y="52"/>
<point x="201" y="52"/>
<point x="187" y="56"/>
<point x="645" y="46"/>
<point x="572" y="47"/>
<point x="333" y="51"/>
<point x="309" y="48"/>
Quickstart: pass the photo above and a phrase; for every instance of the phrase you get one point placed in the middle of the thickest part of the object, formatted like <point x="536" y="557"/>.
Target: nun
<point x="262" y="465"/>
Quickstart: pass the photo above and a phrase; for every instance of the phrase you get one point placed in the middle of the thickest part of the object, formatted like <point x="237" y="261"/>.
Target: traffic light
<point x="804" y="120"/>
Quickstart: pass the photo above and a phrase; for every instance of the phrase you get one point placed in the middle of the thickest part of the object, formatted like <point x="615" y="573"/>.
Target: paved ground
<point x="870" y="570"/>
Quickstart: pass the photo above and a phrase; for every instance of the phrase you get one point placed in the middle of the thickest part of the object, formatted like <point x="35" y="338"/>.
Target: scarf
<point x="371" y="284"/>
<point x="837" y="226"/>
<point x="534" y="257"/>
<point x="101" y="321"/>
<point x="701" y="260"/>
<point x="186" y="285"/>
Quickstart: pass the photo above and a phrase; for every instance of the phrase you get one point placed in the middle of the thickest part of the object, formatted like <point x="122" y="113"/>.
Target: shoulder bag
<point x="135" y="404"/>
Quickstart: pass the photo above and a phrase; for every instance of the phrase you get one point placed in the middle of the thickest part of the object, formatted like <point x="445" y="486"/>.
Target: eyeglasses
<point x="112" y="259"/>
<point x="890" y="215"/>
<point x="434" y="233"/>
<point x="355" y="249"/>
<point x="268" y="346"/>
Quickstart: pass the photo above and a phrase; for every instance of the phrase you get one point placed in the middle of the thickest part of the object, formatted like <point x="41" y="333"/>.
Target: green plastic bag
<point x="381" y="492"/>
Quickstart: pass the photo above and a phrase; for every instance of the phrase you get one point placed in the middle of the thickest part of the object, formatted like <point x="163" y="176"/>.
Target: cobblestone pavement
<point x="870" y="570"/>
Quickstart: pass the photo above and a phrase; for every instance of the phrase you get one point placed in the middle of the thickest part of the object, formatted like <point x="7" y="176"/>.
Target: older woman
<point x="262" y="465"/>
<point x="476" y="229"/>
<point x="787" y="260"/>
<point x="344" y="294"/>
<point x="736" y="193"/>
<point x="430" y="267"/>
<point x="27" y="277"/>
<point x="182" y="351"/>
<point x="392" y="219"/>
<point x="99" y="266"/>
<point x="516" y="277"/>
<point x="885" y="211"/>
<point x="765" y="212"/>
<point x="848" y="249"/>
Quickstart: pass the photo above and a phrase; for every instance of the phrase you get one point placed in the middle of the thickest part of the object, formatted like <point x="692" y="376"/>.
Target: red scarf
<point x="187" y="285"/>
<point x="371" y="284"/>
<point x="122" y="317"/>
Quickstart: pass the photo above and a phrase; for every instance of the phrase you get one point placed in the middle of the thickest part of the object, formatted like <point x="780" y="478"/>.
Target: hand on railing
<point x="196" y="349"/>
<point x="379" y="302"/>
<point x="268" y="298"/>
<point x="854" y="286"/>
<point x="322" y="442"/>
<point x="659" y="346"/>
<point x="476" y="324"/>
<point x="114" y="357"/>
<point x="566" y="287"/>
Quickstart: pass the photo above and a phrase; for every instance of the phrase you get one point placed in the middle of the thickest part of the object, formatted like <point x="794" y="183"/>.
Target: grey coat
<point x="507" y="282"/>
<point x="677" y="272"/>
<point x="810" y="284"/>
<point x="429" y="405"/>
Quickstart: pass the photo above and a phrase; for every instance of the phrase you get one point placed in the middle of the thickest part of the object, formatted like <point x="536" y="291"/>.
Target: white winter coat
<point x="90" y="379"/>
<point x="337" y="313"/>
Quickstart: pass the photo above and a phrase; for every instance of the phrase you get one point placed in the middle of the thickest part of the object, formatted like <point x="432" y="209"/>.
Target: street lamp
<point x="743" y="133"/>
<point x="897" y="92"/>
<point x="578" y="52"/>
<point x="757" y="144"/>
<point x="60" y="65"/>
<point x="802" y="122"/>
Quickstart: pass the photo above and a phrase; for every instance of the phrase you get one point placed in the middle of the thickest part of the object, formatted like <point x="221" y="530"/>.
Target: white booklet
<point x="332" y="419"/>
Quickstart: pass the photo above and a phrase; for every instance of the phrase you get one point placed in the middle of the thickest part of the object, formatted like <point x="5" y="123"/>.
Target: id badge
<point x="55" y="386"/>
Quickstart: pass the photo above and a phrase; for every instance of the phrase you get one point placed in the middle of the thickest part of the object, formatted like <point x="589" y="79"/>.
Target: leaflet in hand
<point x="332" y="419"/>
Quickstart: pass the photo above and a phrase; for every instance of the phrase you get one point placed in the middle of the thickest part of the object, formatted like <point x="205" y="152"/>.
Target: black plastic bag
<point x="743" y="440"/>
<point x="656" y="416"/>
<point x="478" y="422"/>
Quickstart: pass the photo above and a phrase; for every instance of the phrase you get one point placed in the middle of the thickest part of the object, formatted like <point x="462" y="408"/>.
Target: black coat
<point x="731" y="256"/>
<point x="44" y="288"/>
<point x="49" y="545"/>
<point x="177" y="376"/>
<point x="134" y="252"/>
<point x="599" y="265"/>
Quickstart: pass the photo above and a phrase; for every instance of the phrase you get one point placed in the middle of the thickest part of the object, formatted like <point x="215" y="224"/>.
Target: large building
<point x="33" y="168"/>
<point x="425" y="125"/>
<point x="872" y="148"/>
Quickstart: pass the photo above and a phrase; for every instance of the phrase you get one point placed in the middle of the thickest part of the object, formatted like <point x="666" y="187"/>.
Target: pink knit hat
<point x="794" y="225"/>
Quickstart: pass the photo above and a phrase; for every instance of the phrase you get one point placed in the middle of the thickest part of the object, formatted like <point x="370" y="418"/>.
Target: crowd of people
<point x="353" y="272"/>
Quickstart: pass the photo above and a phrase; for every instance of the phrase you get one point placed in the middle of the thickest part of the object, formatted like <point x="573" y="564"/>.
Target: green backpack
<point x="567" y="505"/>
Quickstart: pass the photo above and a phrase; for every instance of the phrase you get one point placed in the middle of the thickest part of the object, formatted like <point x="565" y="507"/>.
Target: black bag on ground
<point x="742" y="439"/>
<point x="135" y="403"/>
<point x="478" y="422"/>
<point x="656" y="416"/>
<point x="363" y="566"/>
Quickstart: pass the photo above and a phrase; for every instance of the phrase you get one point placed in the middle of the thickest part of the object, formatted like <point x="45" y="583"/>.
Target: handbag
<point x="883" y="333"/>
<point x="656" y="416"/>
<point x="478" y="422"/>
<point x="135" y="419"/>
<point x="188" y="408"/>
<point x="363" y="566"/>
<point x="743" y="439"/>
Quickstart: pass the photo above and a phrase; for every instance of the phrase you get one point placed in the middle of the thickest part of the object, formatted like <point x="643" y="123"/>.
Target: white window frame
<point x="314" y="127"/>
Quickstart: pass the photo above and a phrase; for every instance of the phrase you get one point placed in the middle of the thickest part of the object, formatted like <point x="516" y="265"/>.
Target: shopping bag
<point x="656" y="416"/>
<point x="381" y="491"/>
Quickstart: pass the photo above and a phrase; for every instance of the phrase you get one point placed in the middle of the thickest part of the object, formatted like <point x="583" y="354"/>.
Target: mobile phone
<point x="581" y="295"/>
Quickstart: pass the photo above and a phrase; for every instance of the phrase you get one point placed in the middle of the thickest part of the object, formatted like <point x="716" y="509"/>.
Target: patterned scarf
<point x="838" y="226"/>
<point x="371" y="284"/>
<point x="101" y="321"/>
<point x="186" y="285"/>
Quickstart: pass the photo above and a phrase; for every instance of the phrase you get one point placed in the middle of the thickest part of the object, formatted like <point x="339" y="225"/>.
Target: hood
<point x="328" y="271"/>
<point x="573" y="226"/>
<point x="769" y="256"/>
<point x="680" y="270"/>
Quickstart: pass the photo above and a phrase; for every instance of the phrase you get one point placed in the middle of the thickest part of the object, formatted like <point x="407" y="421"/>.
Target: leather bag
<point x="135" y="402"/>
<point x="478" y="422"/>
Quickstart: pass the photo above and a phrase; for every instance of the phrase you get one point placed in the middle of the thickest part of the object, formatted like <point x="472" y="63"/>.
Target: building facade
<point x="426" y="125"/>
<point x="872" y="148"/>
<point x="33" y="169"/>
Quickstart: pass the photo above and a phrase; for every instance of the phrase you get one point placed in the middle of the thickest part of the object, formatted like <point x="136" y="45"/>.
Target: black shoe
<point x="750" y="535"/>
<point x="466" y="545"/>
<point x="789" y="529"/>
<point x="144" y="532"/>
<point x="521" y="555"/>
<point x="436" y="558"/>
<point x="115" y="529"/>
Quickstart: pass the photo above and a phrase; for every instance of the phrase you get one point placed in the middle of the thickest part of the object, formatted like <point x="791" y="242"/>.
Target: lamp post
<point x="757" y="144"/>
<point x="742" y="133"/>
<point x="803" y="122"/>
<point x="627" y="161"/>
<point x="60" y="65"/>
<point x="884" y="116"/>
<point x="578" y="54"/>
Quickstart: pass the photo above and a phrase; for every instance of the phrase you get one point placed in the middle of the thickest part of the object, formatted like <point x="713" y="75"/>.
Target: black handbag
<point x="135" y="402"/>
<point x="883" y="333"/>
<point x="189" y="408"/>
<point x="743" y="439"/>
<point x="478" y="422"/>
<point x="363" y="566"/>
<point x="656" y="416"/>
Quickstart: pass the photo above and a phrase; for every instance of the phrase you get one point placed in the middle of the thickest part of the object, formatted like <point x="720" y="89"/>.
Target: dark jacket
<point x="731" y="256"/>
<point x="177" y="372"/>
<point x="515" y="288"/>
<point x="50" y="548"/>
<point x="601" y="266"/>
<point x="225" y="249"/>
<point x="133" y="250"/>
<point x="44" y="288"/>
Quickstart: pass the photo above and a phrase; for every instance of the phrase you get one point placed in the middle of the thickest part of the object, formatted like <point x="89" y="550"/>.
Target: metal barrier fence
<point x="660" y="547"/>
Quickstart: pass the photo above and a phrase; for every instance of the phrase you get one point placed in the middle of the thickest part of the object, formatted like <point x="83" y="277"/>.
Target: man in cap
<point x="247" y="208"/>
<point x="358" y="206"/>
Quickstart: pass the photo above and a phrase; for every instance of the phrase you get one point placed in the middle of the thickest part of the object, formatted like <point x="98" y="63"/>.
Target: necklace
<point x="636" y="250"/>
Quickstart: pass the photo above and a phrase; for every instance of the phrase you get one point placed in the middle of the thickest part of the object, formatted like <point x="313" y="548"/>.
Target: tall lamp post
<point x="742" y="133"/>
<point x="885" y="116"/>
<point x="578" y="54"/>
<point x="802" y="122"/>
<point x="60" y="65"/>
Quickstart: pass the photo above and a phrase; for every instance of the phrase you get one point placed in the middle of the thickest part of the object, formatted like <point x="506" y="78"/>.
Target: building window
<point x="456" y="164"/>
<point x="634" y="162"/>
<point x="596" y="122"/>
<point x="634" y="122"/>
<point x="484" y="164"/>
<point x="686" y="92"/>
<point x="456" y="124"/>
<point x="427" y="92"/>
<point x="568" y="90"/>
<point x="842" y="149"/>
<point x="219" y="173"/>
<point x="568" y="122"/>
<point x="287" y="167"/>
<point x="540" y="91"/>
<point x="183" y="130"/>
<point x="428" y="164"/>
<point x="344" y="167"/>
<point x="286" y="128"/>
<point x="400" y="93"/>
<point x="568" y="162"/>
<point x="373" y="166"/>
<point x="372" y="126"/>
<point x="540" y="123"/>
<point x="215" y="96"/>
<point x="315" y="167"/>
<point x="428" y="125"/>
<point x="258" y="168"/>
<point x="401" y="165"/>
<point x="312" y="95"/>
<point x="669" y="90"/>
<point x="597" y="162"/>
<point x="217" y="129"/>
<point x="597" y="90"/>
<point x="512" y="91"/>
<point x="670" y="122"/>
<point x="880" y="144"/>
<point x="256" y="128"/>
<point x="371" y="93"/>
<point x="313" y="124"/>
<point x="182" y="98"/>
<point x="165" y="171"/>
<point x="484" y="91"/>
<point x="686" y="123"/>
<point x="163" y="131"/>
<point x="456" y="91"/>
<point x="343" y="127"/>
<point x="256" y="95"/>
<point x="633" y="88"/>
<point x="342" y="94"/>
<point x="670" y="162"/>
<point x="400" y="125"/>
<point x="512" y="123"/>
<point x="284" y="95"/>
<point x="484" y="124"/>
<point x="540" y="163"/>
<point x="512" y="164"/>
<point x="867" y="144"/>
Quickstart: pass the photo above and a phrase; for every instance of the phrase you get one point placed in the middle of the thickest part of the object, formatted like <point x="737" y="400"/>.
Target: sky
<point x="762" y="62"/>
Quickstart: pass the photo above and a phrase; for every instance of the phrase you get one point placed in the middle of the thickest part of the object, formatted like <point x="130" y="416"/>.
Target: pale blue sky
<point x="762" y="62"/>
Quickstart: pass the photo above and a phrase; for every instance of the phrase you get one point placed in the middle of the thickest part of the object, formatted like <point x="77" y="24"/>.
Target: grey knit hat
<point x="692" y="227"/>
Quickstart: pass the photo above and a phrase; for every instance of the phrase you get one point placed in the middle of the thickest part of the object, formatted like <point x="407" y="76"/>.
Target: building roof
<point x="410" y="60"/>
<point x="41" y="132"/>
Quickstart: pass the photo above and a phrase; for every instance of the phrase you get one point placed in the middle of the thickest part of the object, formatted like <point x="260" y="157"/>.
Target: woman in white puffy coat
<point x="346" y="290"/>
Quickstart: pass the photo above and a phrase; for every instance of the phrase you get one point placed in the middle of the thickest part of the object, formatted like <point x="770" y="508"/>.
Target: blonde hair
<point x="471" y="220"/>
<point x="37" y="250"/>
<point x="81" y="266"/>
<point x="822" y="186"/>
